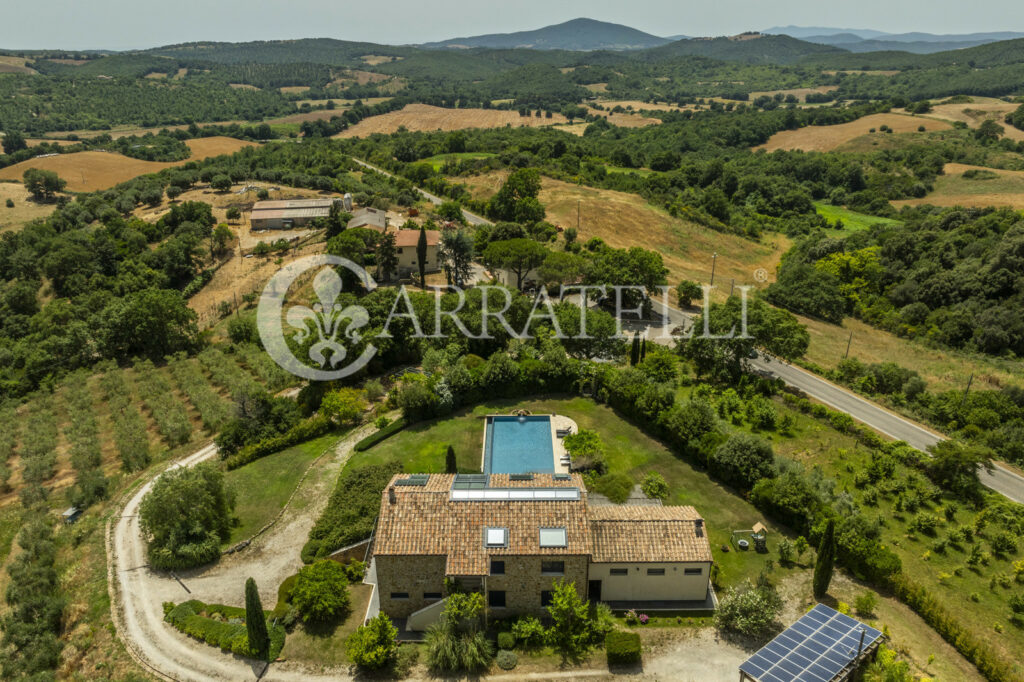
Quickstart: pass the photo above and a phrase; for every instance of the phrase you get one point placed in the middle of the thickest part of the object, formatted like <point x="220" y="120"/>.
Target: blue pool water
<point x="518" y="445"/>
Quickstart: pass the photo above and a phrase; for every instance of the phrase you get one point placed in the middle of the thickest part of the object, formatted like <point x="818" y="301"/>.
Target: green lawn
<point x="622" y="169"/>
<point x="263" y="487"/>
<point x="326" y="645"/>
<point x="852" y="221"/>
<point x="440" y="159"/>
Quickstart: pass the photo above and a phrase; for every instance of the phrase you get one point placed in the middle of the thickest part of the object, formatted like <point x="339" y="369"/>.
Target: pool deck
<point x="560" y="421"/>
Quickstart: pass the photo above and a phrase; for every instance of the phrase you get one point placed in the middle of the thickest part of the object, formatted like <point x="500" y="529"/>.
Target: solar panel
<point x="414" y="479"/>
<point x="469" y="481"/>
<point x="816" y="648"/>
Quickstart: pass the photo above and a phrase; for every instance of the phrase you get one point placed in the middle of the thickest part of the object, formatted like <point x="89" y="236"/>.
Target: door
<point x="594" y="590"/>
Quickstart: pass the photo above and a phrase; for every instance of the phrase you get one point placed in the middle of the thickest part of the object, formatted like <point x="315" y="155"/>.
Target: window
<point x="431" y="595"/>
<point x="497" y="567"/>
<point x="545" y="597"/>
<point x="496" y="599"/>
<point x="399" y="595"/>
<point x="552" y="537"/>
<point x="496" y="537"/>
<point x="552" y="568"/>
<point x="693" y="571"/>
<point x="619" y="571"/>
<point x="655" y="571"/>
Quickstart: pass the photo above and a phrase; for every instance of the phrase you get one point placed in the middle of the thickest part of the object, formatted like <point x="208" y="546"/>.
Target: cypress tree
<point x="643" y="349"/>
<point x="421" y="256"/>
<point x="634" y="351"/>
<point x="450" y="466"/>
<point x="255" y="622"/>
<point x="826" y="560"/>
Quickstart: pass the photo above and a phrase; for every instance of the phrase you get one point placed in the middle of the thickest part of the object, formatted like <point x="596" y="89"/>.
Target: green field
<point x="852" y="221"/>
<point x="263" y="487"/>
<point x="623" y="169"/>
<point x="440" y="160"/>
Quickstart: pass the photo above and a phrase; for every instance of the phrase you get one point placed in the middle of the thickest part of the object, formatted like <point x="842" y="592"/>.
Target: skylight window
<point x="496" y="537"/>
<point x="553" y="537"/>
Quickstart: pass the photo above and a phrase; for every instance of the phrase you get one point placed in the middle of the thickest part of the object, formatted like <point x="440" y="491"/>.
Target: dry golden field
<point x="827" y="138"/>
<point x="423" y="117"/>
<point x="93" y="170"/>
<point x="953" y="189"/>
<point x="977" y="112"/>
<point x="24" y="208"/>
<point x="15" y="65"/>
<point x="623" y="220"/>
<point x="799" y="93"/>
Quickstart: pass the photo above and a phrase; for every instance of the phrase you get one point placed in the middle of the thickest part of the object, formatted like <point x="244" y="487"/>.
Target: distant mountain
<point x="805" y="32"/>
<point x="756" y="48"/>
<point x="917" y="43"/>
<point x="577" y="34"/>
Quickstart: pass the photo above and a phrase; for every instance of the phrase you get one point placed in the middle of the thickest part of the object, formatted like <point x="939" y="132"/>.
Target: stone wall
<point x="523" y="581"/>
<point x="414" y="575"/>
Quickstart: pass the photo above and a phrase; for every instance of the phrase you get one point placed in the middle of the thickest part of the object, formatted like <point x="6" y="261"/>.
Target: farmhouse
<point x="512" y="536"/>
<point x="288" y="214"/>
<point x="369" y="217"/>
<point x="406" y="241"/>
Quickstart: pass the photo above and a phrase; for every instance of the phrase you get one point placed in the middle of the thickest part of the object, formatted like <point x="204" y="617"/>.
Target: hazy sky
<point x="126" y="24"/>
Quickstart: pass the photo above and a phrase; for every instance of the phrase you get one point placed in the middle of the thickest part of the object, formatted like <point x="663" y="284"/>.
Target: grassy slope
<point x="263" y="487"/>
<point x="852" y="221"/>
<point x="631" y="451"/>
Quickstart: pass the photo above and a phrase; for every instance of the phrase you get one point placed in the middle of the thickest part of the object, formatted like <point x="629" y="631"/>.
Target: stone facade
<point x="524" y="581"/>
<point x="412" y="575"/>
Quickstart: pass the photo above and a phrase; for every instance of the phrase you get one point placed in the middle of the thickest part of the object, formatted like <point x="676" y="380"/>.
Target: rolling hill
<point x="755" y="48"/>
<point x="577" y="34"/>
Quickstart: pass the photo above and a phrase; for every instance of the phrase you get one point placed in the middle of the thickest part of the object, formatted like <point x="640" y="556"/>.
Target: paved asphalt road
<point x="1000" y="479"/>
<point x="471" y="218"/>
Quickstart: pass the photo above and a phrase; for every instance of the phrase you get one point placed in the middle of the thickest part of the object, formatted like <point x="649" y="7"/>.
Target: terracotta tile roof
<point x="406" y="238"/>
<point x="646" y="533"/>
<point x="425" y="521"/>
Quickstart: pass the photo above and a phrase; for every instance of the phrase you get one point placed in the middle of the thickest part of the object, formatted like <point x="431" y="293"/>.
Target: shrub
<point x="529" y="632"/>
<point x="622" y="648"/>
<point x="10" y="203"/>
<point x="321" y="592"/>
<point x="373" y="646"/>
<point x="865" y="603"/>
<point x="616" y="487"/>
<point x="506" y="640"/>
<point x="587" y="451"/>
<point x="571" y="620"/>
<point x="743" y="460"/>
<point x="507" y="660"/>
<point x="374" y="390"/>
<point x="654" y="486"/>
<point x="384" y="433"/>
<point x="749" y="610"/>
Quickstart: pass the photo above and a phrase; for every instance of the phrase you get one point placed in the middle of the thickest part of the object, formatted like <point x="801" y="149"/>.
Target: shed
<point x="71" y="515"/>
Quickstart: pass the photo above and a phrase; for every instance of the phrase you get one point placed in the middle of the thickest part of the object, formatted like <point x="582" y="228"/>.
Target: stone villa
<point x="512" y="536"/>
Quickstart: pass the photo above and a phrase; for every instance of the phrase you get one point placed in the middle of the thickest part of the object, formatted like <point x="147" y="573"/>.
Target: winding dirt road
<point x="138" y="592"/>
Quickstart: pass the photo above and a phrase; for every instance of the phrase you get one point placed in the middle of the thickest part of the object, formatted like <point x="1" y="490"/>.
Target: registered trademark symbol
<point x="761" y="275"/>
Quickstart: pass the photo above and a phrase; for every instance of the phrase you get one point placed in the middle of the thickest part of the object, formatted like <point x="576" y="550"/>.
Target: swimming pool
<point x="518" y="445"/>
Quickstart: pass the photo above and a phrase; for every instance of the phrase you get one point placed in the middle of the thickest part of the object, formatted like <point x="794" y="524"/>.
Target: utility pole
<point x="732" y="287"/>
<point x="848" y="342"/>
<point x="714" y="261"/>
<point x="967" y="390"/>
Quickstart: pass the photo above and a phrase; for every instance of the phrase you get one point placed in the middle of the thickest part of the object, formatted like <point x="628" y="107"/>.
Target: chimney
<point x="698" y="527"/>
<point x="391" y="495"/>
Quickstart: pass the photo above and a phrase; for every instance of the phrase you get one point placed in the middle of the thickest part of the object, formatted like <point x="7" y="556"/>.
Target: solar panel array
<point x="816" y="648"/>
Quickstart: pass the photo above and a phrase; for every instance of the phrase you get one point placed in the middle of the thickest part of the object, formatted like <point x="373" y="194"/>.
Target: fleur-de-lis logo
<point x="324" y="322"/>
<point x="327" y="316"/>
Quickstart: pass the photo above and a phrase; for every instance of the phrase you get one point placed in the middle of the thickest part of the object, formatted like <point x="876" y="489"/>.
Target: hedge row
<point x="622" y="647"/>
<point x="305" y="430"/>
<point x="351" y="511"/>
<point x="943" y="622"/>
<point x="380" y="435"/>
<point x="222" y="632"/>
